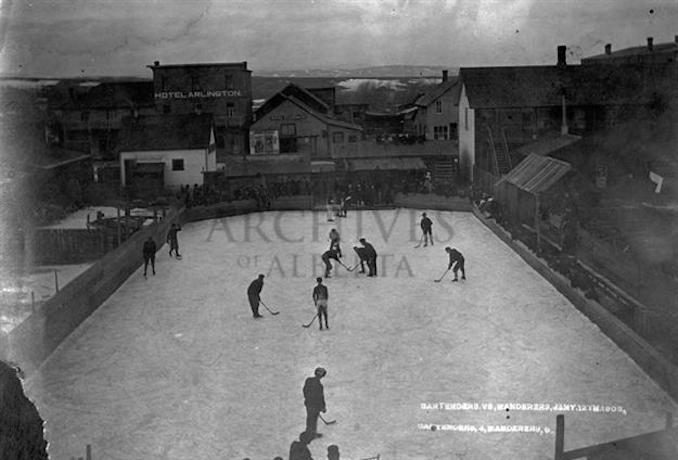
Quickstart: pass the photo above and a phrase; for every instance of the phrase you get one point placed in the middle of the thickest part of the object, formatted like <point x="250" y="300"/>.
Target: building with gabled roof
<point x="650" y="53"/>
<point x="437" y="113"/>
<point x="166" y="152"/>
<point x="502" y="108"/>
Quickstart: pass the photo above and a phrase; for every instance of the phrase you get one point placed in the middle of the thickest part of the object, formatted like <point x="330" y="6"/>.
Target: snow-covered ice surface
<point x="175" y="367"/>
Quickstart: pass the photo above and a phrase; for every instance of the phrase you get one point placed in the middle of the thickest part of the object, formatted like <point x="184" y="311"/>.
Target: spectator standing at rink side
<point x="173" y="241"/>
<point x="320" y="298"/>
<point x="314" y="400"/>
<point x="149" y="254"/>
<point x="299" y="449"/>
<point x="371" y="257"/>
<point x="253" y="293"/>
<point x="456" y="260"/>
<point x="426" y="225"/>
<point x="335" y="239"/>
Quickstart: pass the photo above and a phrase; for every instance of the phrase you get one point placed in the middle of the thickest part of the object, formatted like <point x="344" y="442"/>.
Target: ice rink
<point x="175" y="367"/>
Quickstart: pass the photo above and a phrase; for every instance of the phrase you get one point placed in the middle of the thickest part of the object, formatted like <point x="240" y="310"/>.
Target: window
<point x="84" y="117"/>
<point x="445" y="133"/>
<point x="288" y="130"/>
<point x="338" y="138"/>
<point x="228" y="81"/>
<point x="195" y="83"/>
<point x="439" y="106"/>
<point x="230" y="109"/>
<point x="178" y="164"/>
<point x="166" y="108"/>
<point x="352" y="138"/>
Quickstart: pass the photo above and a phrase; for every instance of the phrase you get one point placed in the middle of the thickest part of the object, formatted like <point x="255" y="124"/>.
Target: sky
<point x="67" y="38"/>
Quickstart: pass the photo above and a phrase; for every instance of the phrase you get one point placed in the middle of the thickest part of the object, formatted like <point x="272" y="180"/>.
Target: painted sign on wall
<point x="264" y="143"/>
<point x="197" y="94"/>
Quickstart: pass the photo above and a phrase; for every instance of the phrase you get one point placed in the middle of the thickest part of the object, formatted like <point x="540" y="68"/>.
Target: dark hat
<point x="261" y="276"/>
<point x="362" y="240"/>
<point x="319" y="279"/>
<point x="448" y="249"/>
<point x="423" y="214"/>
<point x="320" y="372"/>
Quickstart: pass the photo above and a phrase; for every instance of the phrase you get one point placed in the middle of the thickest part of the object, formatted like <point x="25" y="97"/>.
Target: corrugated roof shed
<point x="536" y="174"/>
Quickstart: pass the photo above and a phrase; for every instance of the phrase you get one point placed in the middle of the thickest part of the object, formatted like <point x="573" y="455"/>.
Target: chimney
<point x="562" y="61"/>
<point x="649" y="44"/>
<point x="156" y="63"/>
<point x="608" y="49"/>
<point x="444" y="76"/>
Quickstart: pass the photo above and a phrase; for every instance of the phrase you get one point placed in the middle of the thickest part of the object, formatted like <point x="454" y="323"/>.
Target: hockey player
<point x="299" y="449"/>
<point x="456" y="260"/>
<point x="327" y="255"/>
<point x="253" y="293"/>
<point x="334" y="242"/>
<point x="314" y="400"/>
<point x="371" y="257"/>
<point x="173" y="241"/>
<point x="149" y="254"/>
<point x="362" y="255"/>
<point x="426" y="225"/>
<point x="320" y="298"/>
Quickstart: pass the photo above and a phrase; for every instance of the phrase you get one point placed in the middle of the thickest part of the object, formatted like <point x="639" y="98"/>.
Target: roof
<point x="657" y="48"/>
<point x="536" y="174"/>
<point x="367" y="164"/>
<point x="431" y="96"/>
<point x="310" y="100"/>
<point x="241" y="65"/>
<point x="280" y="98"/>
<point x="275" y="164"/>
<point x="542" y="86"/>
<point x="115" y="95"/>
<point x="547" y="144"/>
<point x="166" y="132"/>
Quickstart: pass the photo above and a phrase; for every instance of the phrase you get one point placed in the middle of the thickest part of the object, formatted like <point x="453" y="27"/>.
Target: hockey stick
<point x="312" y="321"/>
<point x="342" y="264"/>
<point x="441" y="278"/>
<point x="325" y="421"/>
<point x="421" y="240"/>
<point x="269" y="310"/>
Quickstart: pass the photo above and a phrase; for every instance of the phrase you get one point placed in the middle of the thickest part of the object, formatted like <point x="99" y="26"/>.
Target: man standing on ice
<point x="149" y="254"/>
<point x="371" y="256"/>
<point x="253" y="292"/>
<point x="426" y="225"/>
<point x="173" y="241"/>
<point x="362" y="256"/>
<point x="456" y="260"/>
<point x="320" y="297"/>
<point x="314" y="400"/>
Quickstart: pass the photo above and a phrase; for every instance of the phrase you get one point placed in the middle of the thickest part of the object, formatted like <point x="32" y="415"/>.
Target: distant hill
<point x="387" y="71"/>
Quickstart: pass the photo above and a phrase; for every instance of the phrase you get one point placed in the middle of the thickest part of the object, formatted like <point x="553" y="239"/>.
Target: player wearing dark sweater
<point x="149" y="254"/>
<point x="456" y="260"/>
<point x="314" y="400"/>
<point x="327" y="255"/>
<point x="370" y="256"/>
<point x="426" y="227"/>
<point x="253" y="293"/>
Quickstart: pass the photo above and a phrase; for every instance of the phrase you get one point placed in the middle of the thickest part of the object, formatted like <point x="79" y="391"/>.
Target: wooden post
<point x="560" y="436"/>
<point x="56" y="280"/>
<point x="88" y="452"/>
<point x="118" y="226"/>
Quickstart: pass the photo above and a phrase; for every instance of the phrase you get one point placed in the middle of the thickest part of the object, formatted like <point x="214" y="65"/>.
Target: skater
<point x="371" y="256"/>
<point x="320" y="298"/>
<point x="149" y="254"/>
<point x="253" y="292"/>
<point x="362" y="255"/>
<point x="327" y="255"/>
<point x="314" y="400"/>
<point x="344" y="205"/>
<point x="335" y="239"/>
<point x="333" y="452"/>
<point x="299" y="449"/>
<point x="173" y="241"/>
<point x="456" y="259"/>
<point x="426" y="225"/>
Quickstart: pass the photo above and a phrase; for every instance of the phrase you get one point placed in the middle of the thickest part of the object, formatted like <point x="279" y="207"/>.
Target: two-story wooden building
<point x="437" y="114"/>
